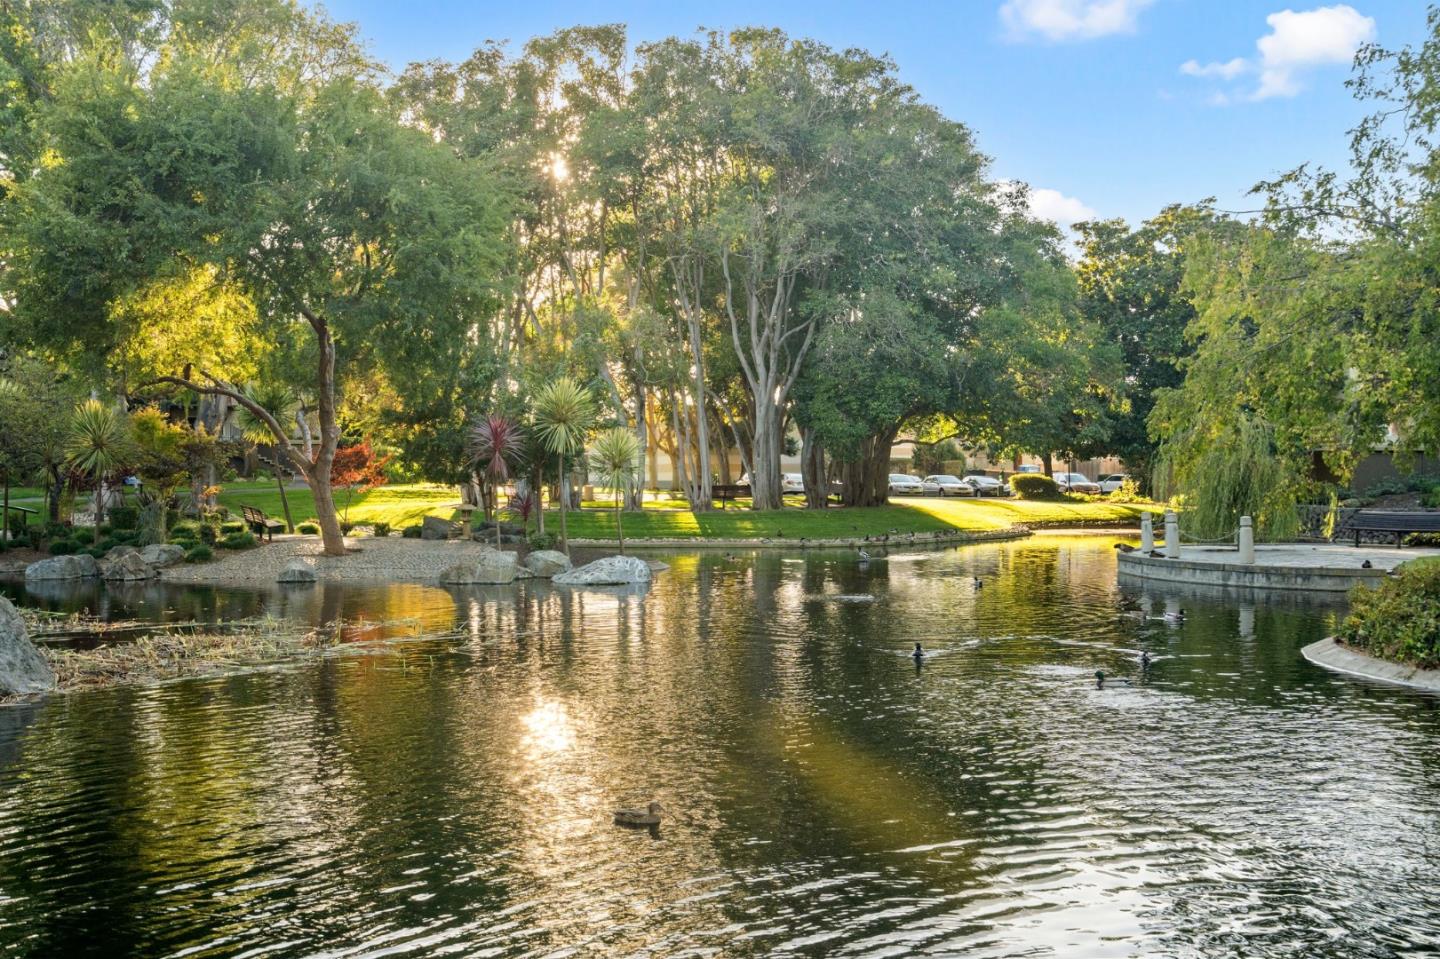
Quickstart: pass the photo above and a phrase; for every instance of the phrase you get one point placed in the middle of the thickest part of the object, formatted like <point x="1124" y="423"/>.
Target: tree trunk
<point x="284" y="500"/>
<point x="1049" y="466"/>
<point x="54" y="491"/>
<point x="866" y="479"/>
<point x="5" y="512"/>
<point x="635" y="487"/>
<point x="812" y="469"/>
<point x="564" y="497"/>
<point x="765" y="490"/>
<point x="619" y="523"/>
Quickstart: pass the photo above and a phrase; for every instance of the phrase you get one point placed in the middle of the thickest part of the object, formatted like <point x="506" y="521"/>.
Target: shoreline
<point x="1330" y="654"/>
<point x="805" y="543"/>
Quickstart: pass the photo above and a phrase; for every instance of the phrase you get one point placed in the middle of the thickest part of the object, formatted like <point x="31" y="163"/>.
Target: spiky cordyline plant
<point x="613" y="454"/>
<point x="96" y="447"/>
<point x="564" y="413"/>
<point x="496" y="443"/>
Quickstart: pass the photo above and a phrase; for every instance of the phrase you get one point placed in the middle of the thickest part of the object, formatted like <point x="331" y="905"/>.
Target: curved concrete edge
<point x="1306" y="578"/>
<point x="1333" y="656"/>
<point x="899" y="540"/>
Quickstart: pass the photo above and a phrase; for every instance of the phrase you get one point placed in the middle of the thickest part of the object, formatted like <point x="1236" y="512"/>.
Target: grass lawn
<point x="922" y="515"/>
<point x="398" y="505"/>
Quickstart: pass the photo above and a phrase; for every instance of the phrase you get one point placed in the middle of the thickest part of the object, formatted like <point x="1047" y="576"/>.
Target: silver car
<point x="1109" y="484"/>
<point x="1075" y="483"/>
<point x="943" y="484"/>
<point x="986" y="485"/>
<point x="903" y="484"/>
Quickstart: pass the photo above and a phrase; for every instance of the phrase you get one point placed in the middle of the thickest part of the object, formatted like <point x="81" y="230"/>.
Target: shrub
<point x="232" y="526"/>
<point x="308" y="528"/>
<point x="1431" y="497"/>
<point x="1034" y="486"/>
<point x="34" y="538"/>
<point x="124" y="517"/>
<point x="63" y="547"/>
<point x="411" y="532"/>
<point x="56" y="530"/>
<point x="241" y="540"/>
<point x="208" y="534"/>
<point x="1399" y="619"/>
<point x="199" y="553"/>
<point x="94" y="551"/>
<point x="543" y="540"/>
<point x="107" y="544"/>
<point x="381" y="529"/>
<point x="347" y="527"/>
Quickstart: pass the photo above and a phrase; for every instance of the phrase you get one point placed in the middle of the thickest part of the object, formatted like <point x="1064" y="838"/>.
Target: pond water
<point x="451" y="795"/>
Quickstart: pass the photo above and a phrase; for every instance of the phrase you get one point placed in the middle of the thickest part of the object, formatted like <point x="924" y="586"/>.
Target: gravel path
<point x="393" y="559"/>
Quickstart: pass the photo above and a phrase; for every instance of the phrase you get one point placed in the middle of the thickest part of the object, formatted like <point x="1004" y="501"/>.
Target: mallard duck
<point x="649" y="816"/>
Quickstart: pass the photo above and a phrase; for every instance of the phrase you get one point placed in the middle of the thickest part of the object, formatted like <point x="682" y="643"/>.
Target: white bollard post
<point x="1247" y="541"/>
<point x="1172" y="534"/>
<point x="1147" y="533"/>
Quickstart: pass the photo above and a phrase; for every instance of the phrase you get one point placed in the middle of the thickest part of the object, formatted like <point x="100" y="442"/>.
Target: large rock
<point x="120" y="552"/>
<point x="610" y="571"/>
<point x="22" y="668"/>
<point x="297" y="572"/>
<point x="161" y="555"/>
<point x="79" y="566"/>
<point x="545" y="563"/>
<point x="492" y="568"/>
<point x="433" y="527"/>
<point x="129" y="567"/>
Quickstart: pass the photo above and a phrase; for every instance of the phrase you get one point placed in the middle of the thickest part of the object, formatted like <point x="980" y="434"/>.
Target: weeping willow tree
<point x="1221" y="474"/>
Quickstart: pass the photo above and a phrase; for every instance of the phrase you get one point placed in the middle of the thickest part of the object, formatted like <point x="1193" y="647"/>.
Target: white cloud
<point x="1325" y="35"/>
<point x="1228" y="70"/>
<point x="1052" y="205"/>
<point x="1296" y="43"/>
<point x="1061" y="20"/>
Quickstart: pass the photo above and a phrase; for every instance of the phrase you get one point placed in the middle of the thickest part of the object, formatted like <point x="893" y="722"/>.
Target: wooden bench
<point x="260" y="523"/>
<point x="728" y="492"/>
<point x="1398" y="522"/>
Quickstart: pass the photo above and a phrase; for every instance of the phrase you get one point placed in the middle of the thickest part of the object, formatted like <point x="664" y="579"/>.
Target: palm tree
<point x="495" y="443"/>
<point x="279" y="402"/>
<point x="564" y="413"/>
<point x="96" y="446"/>
<point x="613" y="454"/>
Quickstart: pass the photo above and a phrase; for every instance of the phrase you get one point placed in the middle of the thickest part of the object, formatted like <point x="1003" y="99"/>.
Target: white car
<point x="943" y="484"/>
<point x="1029" y="468"/>
<point x="986" y="485"/>
<point x="903" y="484"/>
<point x="1109" y="484"/>
<point x="791" y="483"/>
<point x="1075" y="483"/>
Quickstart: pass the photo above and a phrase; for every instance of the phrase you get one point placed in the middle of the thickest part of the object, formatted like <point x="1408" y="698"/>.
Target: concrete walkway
<point x="1342" y="659"/>
<point x="1326" y="567"/>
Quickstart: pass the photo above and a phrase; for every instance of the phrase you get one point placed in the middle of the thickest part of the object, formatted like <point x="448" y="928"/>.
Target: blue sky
<point x="1105" y="107"/>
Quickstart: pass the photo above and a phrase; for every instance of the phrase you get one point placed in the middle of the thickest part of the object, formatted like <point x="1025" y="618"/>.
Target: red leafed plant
<point x="357" y="467"/>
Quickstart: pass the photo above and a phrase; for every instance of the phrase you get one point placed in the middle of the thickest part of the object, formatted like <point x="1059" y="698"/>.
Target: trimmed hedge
<point x="124" y="517"/>
<point x="241" y="540"/>
<point x="1398" y="620"/>
<point x="308" y="528"/>
<point x="199" y="554"/>
<point x="381" y="529"/>
<point x="1034" y="486"/>
<point x="63" y="547"/>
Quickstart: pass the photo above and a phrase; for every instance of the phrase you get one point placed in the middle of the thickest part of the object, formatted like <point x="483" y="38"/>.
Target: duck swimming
<point x="649" y="816"/>
<point x="918" y="654"/>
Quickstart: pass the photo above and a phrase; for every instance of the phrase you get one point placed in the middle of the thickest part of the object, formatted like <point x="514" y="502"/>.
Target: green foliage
<point x="539" y="541"/>
<point x="233" y="526"/>
<point x="243" y="539"/>
<point x="411" y="532"/>
<point x="380" y="529"/>
<point x="63" y="547"/>
<point x="1431" y="498"/>
<point x="309" y="528"/>
<point x="1398" y="620"/>
<point x="1034" y="486"/>
<point x="1225" y="471"/>
<point x="124" y="517"/>
<point x="199" y="554"/>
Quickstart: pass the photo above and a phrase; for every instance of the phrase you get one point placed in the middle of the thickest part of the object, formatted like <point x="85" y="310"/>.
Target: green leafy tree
<point x="614" y="455"/>
<point x="280" y="402"/>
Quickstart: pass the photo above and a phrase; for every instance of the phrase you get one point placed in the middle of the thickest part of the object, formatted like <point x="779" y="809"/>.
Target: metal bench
<point x="1398" y="522"/>
<point x="728" y="492"/>
<point x="260" y="523"/>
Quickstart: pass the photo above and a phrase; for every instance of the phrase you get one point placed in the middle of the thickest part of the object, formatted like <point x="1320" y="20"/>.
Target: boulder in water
<point x="546" y="563"/>
<point x="297" y="572"/>
<point x="129" y="567"/>
<point x="161" y="555"/>
<point x="609" y="571"/>
<point x="77" y="566"/>
<point x="22" y="668"/>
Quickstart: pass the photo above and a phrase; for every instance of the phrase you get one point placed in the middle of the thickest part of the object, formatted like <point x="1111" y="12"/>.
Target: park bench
<point x="1397" y="522"/>
<point x="728" y="492"/>
<point x="24" y="512"/>
<point x="260" y="523"/>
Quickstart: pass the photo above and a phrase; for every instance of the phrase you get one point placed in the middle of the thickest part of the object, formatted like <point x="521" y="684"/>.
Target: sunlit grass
<point x="399" y="505"/>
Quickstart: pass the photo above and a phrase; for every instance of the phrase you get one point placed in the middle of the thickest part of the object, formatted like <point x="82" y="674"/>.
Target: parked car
<point x="903" y="484"/>
<point x="791" y="483"/>
<point x="946" y="485"/>
<point x="1109" y="484"/>
<point x="1029" y="468"/>
<point x="1075" y="483"/>
<point x="986" y="485"/>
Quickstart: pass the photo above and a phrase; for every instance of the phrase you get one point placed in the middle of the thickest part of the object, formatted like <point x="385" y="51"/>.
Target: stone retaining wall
<point x="1307" y="578"/>
<point x="1342" y="659"/>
